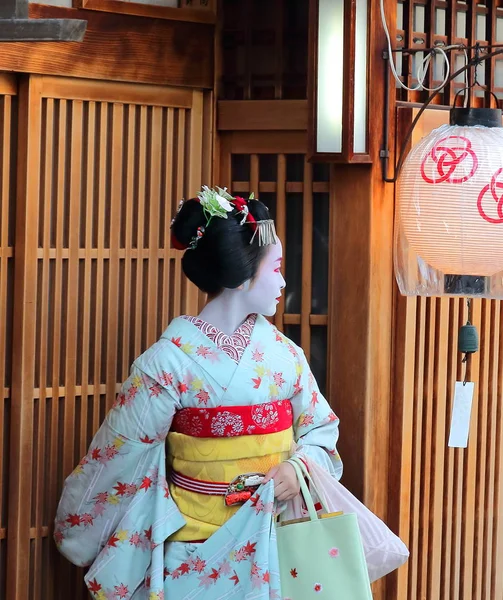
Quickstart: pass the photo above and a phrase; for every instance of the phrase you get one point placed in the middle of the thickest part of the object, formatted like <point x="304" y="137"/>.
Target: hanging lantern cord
<point x="384" y="154"/>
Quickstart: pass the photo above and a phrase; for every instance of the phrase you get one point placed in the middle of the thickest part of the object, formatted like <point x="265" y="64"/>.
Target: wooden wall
<point x="101" y="169"/>
<point x="96" y="152"/>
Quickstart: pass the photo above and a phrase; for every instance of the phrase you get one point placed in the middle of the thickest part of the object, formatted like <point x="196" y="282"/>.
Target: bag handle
<point x="308" y="499"/>
<point x="303" y="474"/>
<point x="303" y="467"/>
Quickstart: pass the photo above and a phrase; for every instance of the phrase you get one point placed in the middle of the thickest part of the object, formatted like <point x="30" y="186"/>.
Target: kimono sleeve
<point x="316" y="427"/>
<point x="118" y="494"/>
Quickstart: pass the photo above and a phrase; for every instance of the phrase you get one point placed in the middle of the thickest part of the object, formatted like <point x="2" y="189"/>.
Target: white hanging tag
<point x="461" y="412"/>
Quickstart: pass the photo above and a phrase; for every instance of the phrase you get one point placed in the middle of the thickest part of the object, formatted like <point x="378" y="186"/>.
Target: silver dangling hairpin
<point x="266" y="233"/>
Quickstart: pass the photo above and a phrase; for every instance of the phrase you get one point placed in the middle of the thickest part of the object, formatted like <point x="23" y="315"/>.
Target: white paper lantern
<point x="450" y="199"/>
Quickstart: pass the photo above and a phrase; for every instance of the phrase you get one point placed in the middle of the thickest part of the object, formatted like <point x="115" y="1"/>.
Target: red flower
<point x="147" y="440"/>
<point x="96" y="454"/>
<point x="293" y="573"/>
<point x="166" y="378"/>
<point x="121" y="488"/>
<point x="74" y="520"/>
<point x="257" y="382"/>
<point x="94" y="586"/>
<point x="121" y="590"/>
<point x="87" y="519"/>
<point x="249" y="548"/>
<point x="155" y="390"/>
<point x="146" y="483"/>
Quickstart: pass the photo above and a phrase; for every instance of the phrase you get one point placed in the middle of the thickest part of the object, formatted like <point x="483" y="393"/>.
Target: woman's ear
<point x="244" y="287"/>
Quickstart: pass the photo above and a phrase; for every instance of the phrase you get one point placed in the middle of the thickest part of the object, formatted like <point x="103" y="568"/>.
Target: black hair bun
<point x="223" y="256"/>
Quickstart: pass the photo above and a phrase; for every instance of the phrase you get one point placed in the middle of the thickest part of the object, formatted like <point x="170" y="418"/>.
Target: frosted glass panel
<point x="360" y="98"/>
<point x="459" y="62"/>
<point x="419" y="12"/>
<point x="499" y="30"/>
<point x="498" y="73"/>
<point x="481" y="27"/>
<point x="440" y="21"/>
<point x="330" y="75"/>
<point x="399" y="16"/>
<point x="461" y="24"/>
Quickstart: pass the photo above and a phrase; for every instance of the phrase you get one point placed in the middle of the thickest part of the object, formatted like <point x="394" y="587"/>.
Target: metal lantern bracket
<point x="384" y="154"/>
<point x="16" y="26"/>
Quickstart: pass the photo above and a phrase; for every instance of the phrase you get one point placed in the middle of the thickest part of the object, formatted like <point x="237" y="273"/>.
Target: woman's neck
<point x="226" y="312"/>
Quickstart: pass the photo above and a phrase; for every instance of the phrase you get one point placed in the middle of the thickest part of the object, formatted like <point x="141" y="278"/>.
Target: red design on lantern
<point x="449" y="160"/>
<point x="493" y="187"/>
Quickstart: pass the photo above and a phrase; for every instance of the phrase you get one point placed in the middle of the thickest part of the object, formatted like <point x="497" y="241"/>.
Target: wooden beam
<point x="262" y="115"/>
<point x="119" y="48"/>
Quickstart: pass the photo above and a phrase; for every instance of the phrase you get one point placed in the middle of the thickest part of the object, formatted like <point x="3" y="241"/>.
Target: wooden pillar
<point x="361" y="300"/>
<point x="23" y="348"/>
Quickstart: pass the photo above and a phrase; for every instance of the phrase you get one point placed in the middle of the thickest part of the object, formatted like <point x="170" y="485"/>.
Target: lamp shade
<point x="450" y="199"/>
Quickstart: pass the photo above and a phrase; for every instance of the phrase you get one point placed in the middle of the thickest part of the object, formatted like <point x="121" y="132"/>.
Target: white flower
<point x="215" y="202"/>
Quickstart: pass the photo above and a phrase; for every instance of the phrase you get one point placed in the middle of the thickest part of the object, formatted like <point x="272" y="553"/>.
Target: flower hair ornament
<point x="218" y="203"/>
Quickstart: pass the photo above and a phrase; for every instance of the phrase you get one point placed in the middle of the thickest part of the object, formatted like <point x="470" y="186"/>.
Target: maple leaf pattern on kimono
<point x="116" y="512"/>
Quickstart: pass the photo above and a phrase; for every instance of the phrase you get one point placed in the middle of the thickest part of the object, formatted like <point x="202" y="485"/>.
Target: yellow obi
<point x="219" y="460"/>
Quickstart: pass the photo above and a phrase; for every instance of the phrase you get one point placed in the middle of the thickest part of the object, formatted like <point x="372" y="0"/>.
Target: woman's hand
<point x="286" y="484"/>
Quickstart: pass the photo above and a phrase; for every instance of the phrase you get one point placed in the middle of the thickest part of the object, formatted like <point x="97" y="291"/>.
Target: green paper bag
<point x="321" y="557"/>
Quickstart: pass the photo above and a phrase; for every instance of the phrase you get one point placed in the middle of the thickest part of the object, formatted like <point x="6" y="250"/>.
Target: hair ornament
<point x="196" y="238"/>
<point x="266" y="233"/>
<point x="217" y="202"/>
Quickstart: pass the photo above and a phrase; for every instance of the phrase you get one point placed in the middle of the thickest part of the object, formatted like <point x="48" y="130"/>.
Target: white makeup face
<point x="265" y="290"/>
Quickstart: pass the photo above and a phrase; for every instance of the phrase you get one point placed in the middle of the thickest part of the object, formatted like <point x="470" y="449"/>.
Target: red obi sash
<point x="233" y="421"/>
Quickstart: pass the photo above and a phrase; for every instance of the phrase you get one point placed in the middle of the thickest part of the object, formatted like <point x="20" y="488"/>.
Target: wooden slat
<point x="154" y="214"/>
<point x="193" y="173"/>
<point x="127" y="216"/>
<point x="281" y="229"/>
<point x="307" y="259"/>
<point x="8" y="89"/>
<point x="44" y="239"/>
<point x="116" y="161"/>
<point x="25" y="297"/>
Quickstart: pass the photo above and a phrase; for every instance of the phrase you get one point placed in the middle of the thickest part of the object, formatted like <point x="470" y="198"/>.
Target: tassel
<point x="266" y="233"/>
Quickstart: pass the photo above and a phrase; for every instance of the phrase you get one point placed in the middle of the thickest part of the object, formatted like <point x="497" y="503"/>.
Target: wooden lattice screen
<point x="8" y="123"/>
<point x="103" y="167"/>
<point x="449" y="508"/>
<point x="275" y="168"/>
<point x="423" y="24"/>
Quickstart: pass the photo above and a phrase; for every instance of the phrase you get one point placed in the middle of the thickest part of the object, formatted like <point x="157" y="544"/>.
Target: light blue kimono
<point x="116" y="511"/>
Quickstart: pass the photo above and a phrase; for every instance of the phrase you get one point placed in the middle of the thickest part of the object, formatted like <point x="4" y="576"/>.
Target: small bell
<point x="468" y="341"/>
